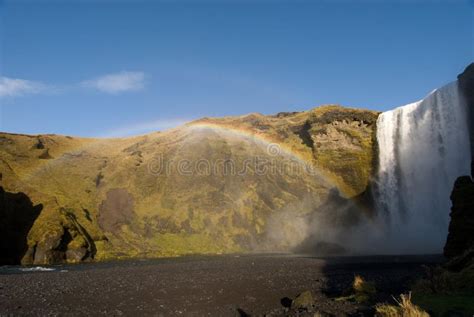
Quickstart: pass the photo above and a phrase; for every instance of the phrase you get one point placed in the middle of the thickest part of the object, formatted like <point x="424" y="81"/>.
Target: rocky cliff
<point x="216" y="185"/>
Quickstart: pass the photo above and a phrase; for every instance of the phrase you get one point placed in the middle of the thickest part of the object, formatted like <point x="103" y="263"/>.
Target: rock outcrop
<point x="66" y="242"/>
<point x="343" y="143"/>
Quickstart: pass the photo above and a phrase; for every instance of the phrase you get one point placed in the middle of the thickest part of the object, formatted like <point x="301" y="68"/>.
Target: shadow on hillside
<point x="334" y="220"/>
<point x="17" y="215"/>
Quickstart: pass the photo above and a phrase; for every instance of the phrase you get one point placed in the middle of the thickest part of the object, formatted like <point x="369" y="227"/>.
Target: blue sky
<point x="97" y="68"/>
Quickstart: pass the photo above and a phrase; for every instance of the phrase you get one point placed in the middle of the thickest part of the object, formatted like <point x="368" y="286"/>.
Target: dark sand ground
<point x="197" y="286"/>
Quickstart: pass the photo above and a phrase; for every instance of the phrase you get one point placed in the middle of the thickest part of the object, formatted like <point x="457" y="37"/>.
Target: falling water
<point x="423" y="148"/>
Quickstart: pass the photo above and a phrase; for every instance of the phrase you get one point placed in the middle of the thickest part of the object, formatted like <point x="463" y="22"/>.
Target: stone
<point x="304" y="300"/>
<point x="47" y="249"/>
<point x="76" y="255"/>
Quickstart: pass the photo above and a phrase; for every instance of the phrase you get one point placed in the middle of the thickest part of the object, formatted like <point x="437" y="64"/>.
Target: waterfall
<point x="423" y="148"/>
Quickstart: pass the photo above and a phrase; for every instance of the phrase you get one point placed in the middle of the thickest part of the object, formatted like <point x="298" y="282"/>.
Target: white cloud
<point x="10" y="87"/>
<point x="117" y="83"/>
<point x="146" y="127"/>
<point x="111" y="83"/>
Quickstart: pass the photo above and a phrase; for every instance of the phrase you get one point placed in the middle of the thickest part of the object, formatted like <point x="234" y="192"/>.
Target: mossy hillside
<point x="177" y="214"/>
<point x="345" y="145"/>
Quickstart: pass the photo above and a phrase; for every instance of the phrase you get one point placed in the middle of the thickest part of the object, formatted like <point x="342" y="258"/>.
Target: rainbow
<point x="271" y="143"/>
<point x="284" y="149"/>
<point x="250" y="134"/>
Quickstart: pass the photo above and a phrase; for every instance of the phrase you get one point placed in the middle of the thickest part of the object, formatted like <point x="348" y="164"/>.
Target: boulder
<point x="76" y="255"/>
<point x="304" y="300"/>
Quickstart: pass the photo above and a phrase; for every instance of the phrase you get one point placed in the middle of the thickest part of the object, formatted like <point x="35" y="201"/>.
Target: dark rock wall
<point x="461" y="227"/>
<point x="466" y="85"/>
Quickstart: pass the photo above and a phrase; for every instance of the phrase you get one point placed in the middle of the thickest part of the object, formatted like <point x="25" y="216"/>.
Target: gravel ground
<point x="197" y="286"/>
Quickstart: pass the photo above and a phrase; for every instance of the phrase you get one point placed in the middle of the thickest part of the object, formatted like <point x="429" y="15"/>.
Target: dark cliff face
<point x="466" y="85"/>
<point x="461" y="227"/>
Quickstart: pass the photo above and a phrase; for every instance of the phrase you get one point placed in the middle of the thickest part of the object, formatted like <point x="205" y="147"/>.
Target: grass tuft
<point x="405" y="308"/>
<point x="363" y="290"/>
